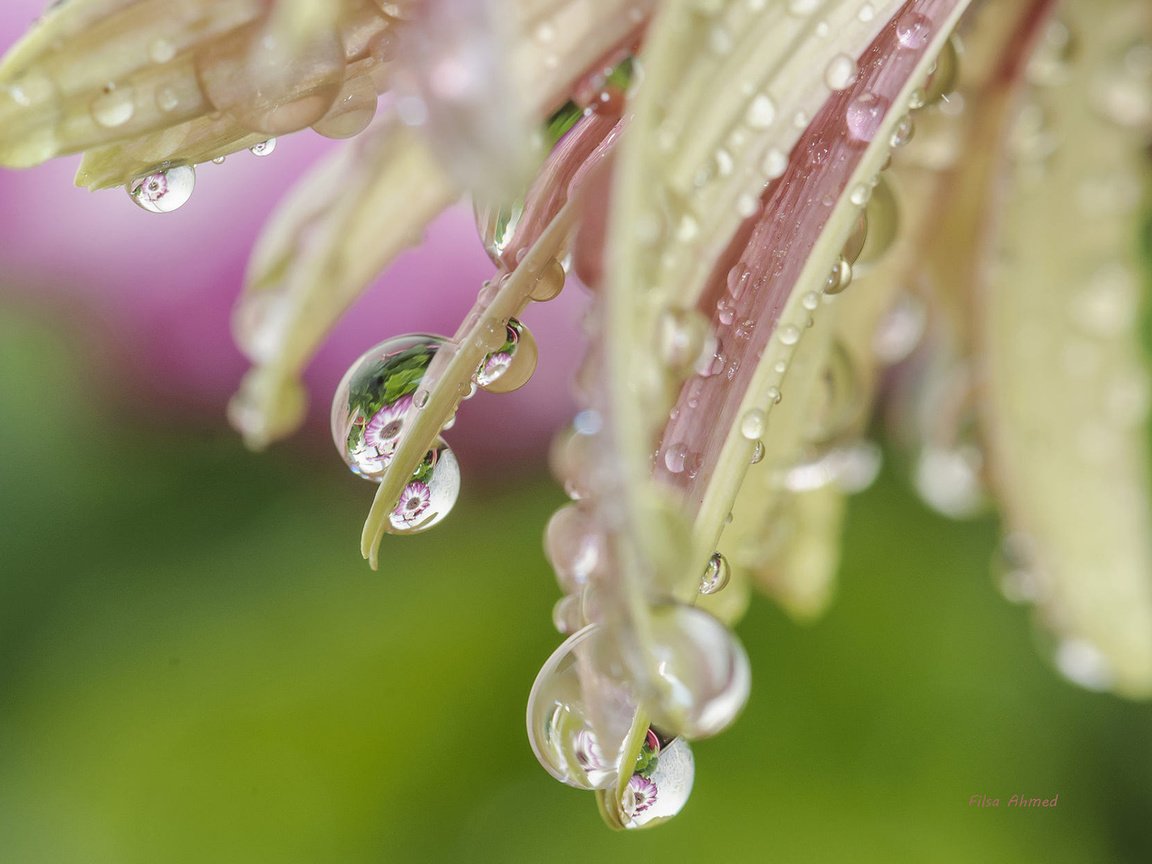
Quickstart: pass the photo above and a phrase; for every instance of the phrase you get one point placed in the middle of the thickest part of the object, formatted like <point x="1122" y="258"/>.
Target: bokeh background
<point x="196" y="666"/>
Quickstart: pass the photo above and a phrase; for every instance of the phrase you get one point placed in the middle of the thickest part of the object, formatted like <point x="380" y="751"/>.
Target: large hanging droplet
<point x="375" y="400"/>
<point x="697" y="672"/>
<point x="352" y="111"/>
<point x="510" y="366"/>
<point x="165" y="190"/>
<point x="559" y="722"/>
<point x="660" y="788"/>
<point x="430" y="493"/>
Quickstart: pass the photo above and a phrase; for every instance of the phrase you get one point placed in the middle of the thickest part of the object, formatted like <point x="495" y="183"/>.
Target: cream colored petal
<point x="1066" y="385"/>
<point x="336" y="231"/>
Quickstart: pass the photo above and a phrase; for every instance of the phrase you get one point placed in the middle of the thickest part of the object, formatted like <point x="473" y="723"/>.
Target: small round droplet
<point x="218" y="160"/>
<point x="114" y="107"/>
<point x="510" y="365"/>
<point x="430" y="493"/>
<point x="753" y="423"/>
<point x="376" y="399"/>
<point x="761" y="112"/>
<point x="716" y="574"/>
<point x="789" y="334"/>
<point x="864" y="116"/>
<point x="165" y="190"/>
<point x="840" y="72"/>
<point x="161" y="50"/>
<point x="675" y="458"/>
<point x="913" y="31"/>
<point x="264" y="148"/>
<point x="775" y="164"/>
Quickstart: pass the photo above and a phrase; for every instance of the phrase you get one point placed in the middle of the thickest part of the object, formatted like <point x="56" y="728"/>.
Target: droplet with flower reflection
<point x="559" y="722"/>
<point x="511" y="363"/>
<point x="660" y="787"/>
<point x="376" y="398"/>
<point x="430" y="494"/>
<point x="164" y="190"/>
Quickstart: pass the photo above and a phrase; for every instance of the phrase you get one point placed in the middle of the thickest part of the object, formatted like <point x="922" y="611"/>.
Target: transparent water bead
<point x="661" y="788"/>
<point x="696" y="672"/>
<point x="864" y="116"/>
<point x="430" y="494"/>
<point x="375" y="399"/>
<point x="264" y="148"/>
<point x="497" y="226"/>
<point x="559" y="723"/>
<point x="716" y="575"/>
<point x="512" y="363"/>
<point x="165" y="190"/>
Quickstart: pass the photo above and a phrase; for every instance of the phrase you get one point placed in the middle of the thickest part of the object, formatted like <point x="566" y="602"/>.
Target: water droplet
<point x="509" y="366"/>
<point x="840" y="277"/>
<point x="775" y="164"/>
<point x="351" y="112"/>
<point x="903" y="132"/>
<point x="549" y="282"/>
<point x="681" y="335"/>
<point x="716" y="574"/>
<point x="560" y="719"/>
<point x="757" y="453"/>
<point x="167" y="99"/>
<point x="1015" y="573"/>
<point x="573" y="545"/>
<point x="789" y="334"/>
<point x="747" y="206"/>
<point x="161" y="50"/>
<point x="1083" y="663"/>
<point x="913" y="31"/>
<point x="867" y="13"/>
<point x="376" y="398"/>
<point x="761" y="112"/>
<point x="865" y="115"/>
<point x="430" y="494"/>
<point x="218" y="160"/>
<point x="752" y="424"/>
<point x="165" y="190"/>
<point x="773" y="395"/>
<point x="942" y="79"/>
<point x="114" y="107"/>
<point x="840" y="72"/>
<point x="662" y="790"/>
<point x="883" y="215"/>
<point x="264" y="148"/>
<point x="675" y="458"/>
<point x="948" y="479"/>
<point x="697" y="672"/>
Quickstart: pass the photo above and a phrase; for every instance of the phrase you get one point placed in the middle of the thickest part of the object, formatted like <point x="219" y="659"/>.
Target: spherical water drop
<point x="864" y="116"/>
<point x="560" y="723"/>
<point x="264" y="148"/>
<point x="165" y="190"/>
<point x="697" y="672"/>
<point x="840" y="72"/>
<point x="573" y="545"/>
<point x="167" y="99"/>
<point x="675" y="458"/>
<point x="775" y="164"/>
<point x="752" y="424"/>
<point x="757" y="453"/>
<point x="376" y="399"/>
<point x="861" y="192"/>
<point x="761" y="112"/>
<point x="161" y="50"/>
<point x="510" y="365"/>
<point x="352" y="111"/>
<point x="913" y="31"/>
<point x="716" y="574"/>
<point x="114" y="107"/>
<point x="867" y="13"/>
<point x="801" y="8"/>
<point x="661" y="790"/>
<point x="789" y="334"/>
<point x="430" y="493"/>
<point x="218" y="160"/>
<point x="549" y="282"/>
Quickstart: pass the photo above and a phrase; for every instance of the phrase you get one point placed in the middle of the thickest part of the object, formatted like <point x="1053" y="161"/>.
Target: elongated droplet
<point x="716" y="574"/>
<point x="165" y="190"/>
<point x="661" y="790"/>
<point x="264" y="148"/>
<point x="559" y="722"/>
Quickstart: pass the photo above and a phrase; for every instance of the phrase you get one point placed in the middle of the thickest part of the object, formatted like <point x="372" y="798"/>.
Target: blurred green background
<point x="196" y="666"/>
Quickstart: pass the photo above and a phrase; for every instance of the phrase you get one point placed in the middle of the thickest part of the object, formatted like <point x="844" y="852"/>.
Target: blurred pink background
<point x="155" y="292"/>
